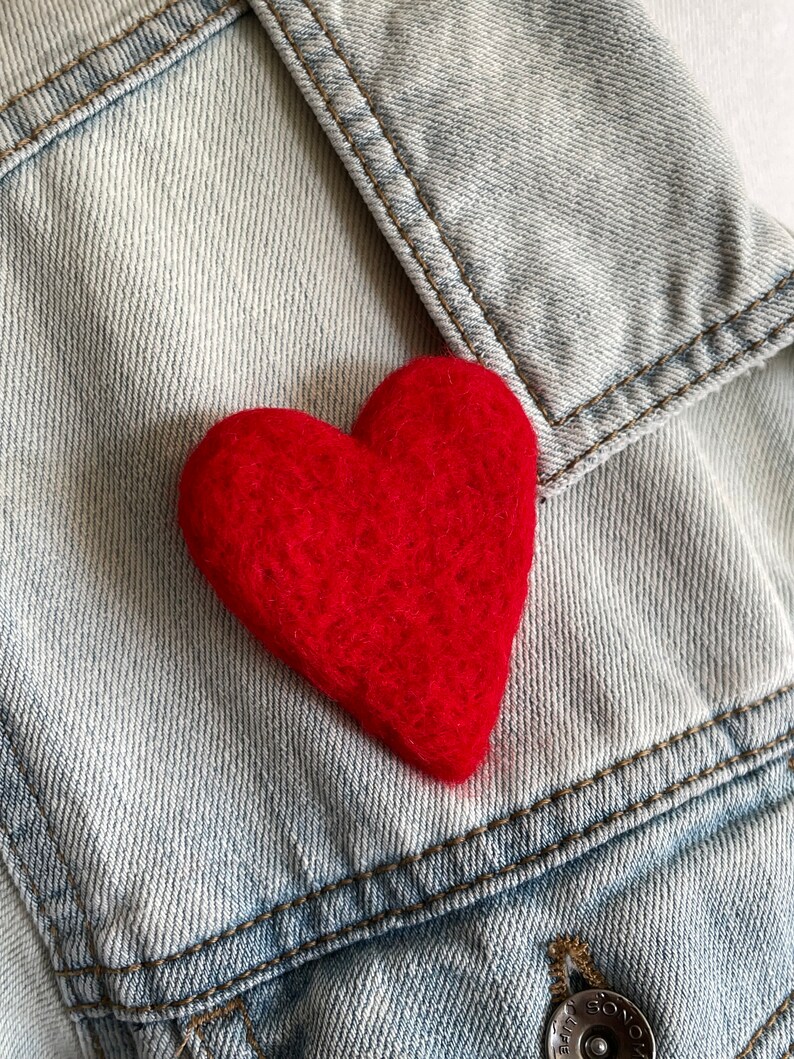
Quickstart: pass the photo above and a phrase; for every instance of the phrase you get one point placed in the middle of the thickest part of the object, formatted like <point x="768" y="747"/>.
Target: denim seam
<point x="41" y="907"/>
<point x="420" y="260"/>
<point x="712" y="329"/>
<point x="72" y="882"/>
<point x="552" y="420"/>
<point x="447" y="844"/>
<point x="470" y="884"/>
<point x="770" y="336"/>
<point x="33" y="135"/>
<point x="81" y="58"/>
<point x="420" y="196"/>
<point x="770" y="1022"/>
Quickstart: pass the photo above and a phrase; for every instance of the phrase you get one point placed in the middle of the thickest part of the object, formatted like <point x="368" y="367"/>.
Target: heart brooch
<point x="389" y="566"/>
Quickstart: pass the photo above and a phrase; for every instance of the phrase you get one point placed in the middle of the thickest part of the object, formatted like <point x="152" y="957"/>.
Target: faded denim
<point x="214" y="858"/>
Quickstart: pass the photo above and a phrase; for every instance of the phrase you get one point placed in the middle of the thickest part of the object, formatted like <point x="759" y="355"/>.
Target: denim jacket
<point x="211" y="206"/>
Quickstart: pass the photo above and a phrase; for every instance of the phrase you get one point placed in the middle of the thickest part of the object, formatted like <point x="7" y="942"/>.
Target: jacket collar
<point x="561" y="197"/>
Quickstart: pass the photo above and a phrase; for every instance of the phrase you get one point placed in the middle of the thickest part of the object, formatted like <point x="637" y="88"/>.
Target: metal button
<point x="599" y="1024"/>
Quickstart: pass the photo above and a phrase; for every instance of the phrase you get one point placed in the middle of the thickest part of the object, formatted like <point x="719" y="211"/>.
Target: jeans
<point x="205" y="857"/>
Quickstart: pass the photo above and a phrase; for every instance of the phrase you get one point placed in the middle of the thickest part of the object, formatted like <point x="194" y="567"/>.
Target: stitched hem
<point x="684" y="347"/>
<point x="87" y="54"/>
<point x="768" y="340"/>
<point x="34" y="116"/>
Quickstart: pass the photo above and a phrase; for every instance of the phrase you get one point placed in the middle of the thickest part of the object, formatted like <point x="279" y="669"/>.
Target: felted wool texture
<point x="389" y="566"/>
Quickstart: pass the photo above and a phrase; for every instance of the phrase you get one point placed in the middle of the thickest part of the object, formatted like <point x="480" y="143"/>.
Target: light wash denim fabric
<point x="214" y="860"/>
<point x="739" y="55"/>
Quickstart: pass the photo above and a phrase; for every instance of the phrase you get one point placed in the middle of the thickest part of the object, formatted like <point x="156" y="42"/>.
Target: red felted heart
<point x="388" y="566"/>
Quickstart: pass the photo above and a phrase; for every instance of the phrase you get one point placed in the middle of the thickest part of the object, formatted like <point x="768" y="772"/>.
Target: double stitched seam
<point x="463" y="887"/>
<point x="34" y="134"/>
<point x="333" y="41"/>
<point x="712" y="329"/>
<point x="48" y="80"/>
<point x="770" y="336"/>
<point x="450" y="843"/>
<point x="235" y="1006"/>
<point x="78" y="900"/>
<point x="420" y="260"/>
<point x="690" y="343"/>
<point x="770" y="1022"/>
